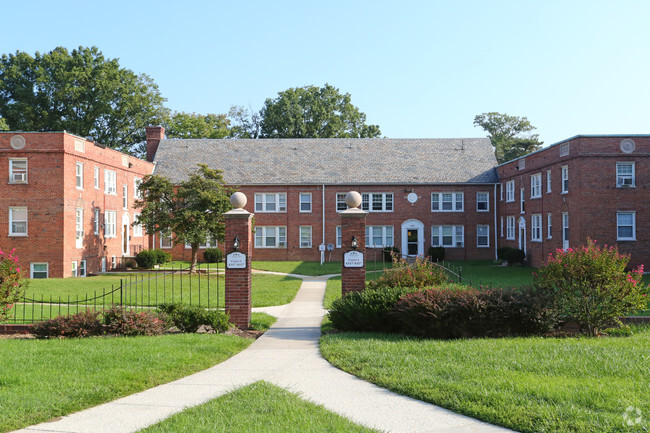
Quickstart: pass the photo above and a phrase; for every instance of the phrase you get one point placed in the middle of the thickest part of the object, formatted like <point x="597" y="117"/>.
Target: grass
<point x="260" y="407"/>
<point x="528" y="384"/>
<point x="485" y="272"/>
<point x="312" y="268"/>
<point x="43" y="379"/>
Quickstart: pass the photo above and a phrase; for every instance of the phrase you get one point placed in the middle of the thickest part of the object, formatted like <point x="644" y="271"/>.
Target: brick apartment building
<point x="66" y="203"/>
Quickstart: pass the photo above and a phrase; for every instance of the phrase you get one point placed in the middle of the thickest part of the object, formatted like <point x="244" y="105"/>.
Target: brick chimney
<point x="154" y="135"/>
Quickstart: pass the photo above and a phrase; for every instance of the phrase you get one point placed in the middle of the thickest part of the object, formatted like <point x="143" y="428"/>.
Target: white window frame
<point x="31" y="269"/>
<point x="501" y="192"/>
<point x="619" y="214"/>
<point x="137" y="228"/>
<point x="438" y="201"/>
<point x="377" y="201"/>
<point x="263" y="200"/>
<point x="110" y="224"/>
<point x="486" y="236"/>
<point x="83" y="271"/>
<point x="74" y="268"/>
<point x="136" y="191"/>
<point x="564" y="149"/>
<point x="501" y="226"/>
<point x="485" y="201"/>
<point x="548" y="181"/>
<point x="79" y="227"/>
<point x="17" y="175"/>
<point x="305" y="236"/>
<point x="125" y="197"/>
<point x="262" y="235"/>
<point x="625" y="180"/>
<point x="510" y="228"/>
<point x="166" y="241"/>
<point x="110" y="182"/>
<point x="536" y="185"/>
<point x="96" y="220"/>
<point x="565" y="230"/>
<point x="113" y="262"/>
<point x="340" y="202"/>
<point x="457" y="236"/>
<point x="306" y="195"/>
<point x="549" y="226"/>
<point x="565" y="179"/>
<point x="13" y="220"/>
<point x="382" y="232"/>
<point x="79" y="175"/>
<point x="96" y="181"/>
<point x="339" y="237"/>
<point x="536" y="227"/>
<point x="510" y="191"/>
<point x="522" y="200"/>
<point x="208" y="243"/>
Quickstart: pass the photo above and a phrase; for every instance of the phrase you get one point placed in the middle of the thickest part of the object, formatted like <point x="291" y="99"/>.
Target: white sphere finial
<point x="353" y="199"/>
<point x="238" y="200"/>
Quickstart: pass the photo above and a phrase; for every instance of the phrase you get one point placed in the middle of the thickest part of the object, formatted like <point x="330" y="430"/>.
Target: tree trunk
<point x="193" y="259"/>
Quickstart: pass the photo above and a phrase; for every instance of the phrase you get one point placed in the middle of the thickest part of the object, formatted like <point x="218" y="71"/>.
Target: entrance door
<point x="522" y="234"/>
<point x="412" y="238"/>
<point x="125" y="234"/>
<point x="412" y="242"/>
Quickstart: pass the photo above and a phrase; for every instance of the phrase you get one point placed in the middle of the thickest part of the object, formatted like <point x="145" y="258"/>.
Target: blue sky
<point x="416" y="68"/>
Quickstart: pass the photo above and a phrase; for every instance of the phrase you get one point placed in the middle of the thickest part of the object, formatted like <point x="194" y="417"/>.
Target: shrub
<point x="213" y="255"/>
<point x="591" y="287"/>
<point x="161" y="256"/>
<point x="419" y="274"/>
<point x="437" y="254"/>
<point x="514" y="255"/>
<point x="389" y="253"/>
<point x="121" y="321"/>
<point x="83" y="324"/>
<point x="12" y="283"/>
<point x="188" y="318"/>
<point x="502" y="252"/>
<point x="146" y="259"/>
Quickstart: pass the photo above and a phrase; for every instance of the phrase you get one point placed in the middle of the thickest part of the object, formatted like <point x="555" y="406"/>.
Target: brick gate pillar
<point x="353" y="243"/>
<point x="238" y="248"/>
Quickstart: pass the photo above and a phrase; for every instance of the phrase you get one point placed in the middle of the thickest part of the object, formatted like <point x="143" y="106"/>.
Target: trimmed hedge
<point x="82" y="324"/>
<point x="122" y="321"/>
<point x="213" y="255"/>
<point x="511" y="255"/>
<point x="437" y="254"/>
<point x="188" y="318"/>
<point x="145" y="259"/>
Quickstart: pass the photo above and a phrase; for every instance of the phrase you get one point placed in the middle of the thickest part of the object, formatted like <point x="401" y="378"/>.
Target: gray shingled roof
<point x="332" y="160"/>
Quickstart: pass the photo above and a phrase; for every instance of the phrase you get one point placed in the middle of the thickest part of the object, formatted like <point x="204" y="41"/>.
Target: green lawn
<point x="312" y="268"/>
<point x="528" y="384"/>
<point x="260" y="407"/>
<point x="485" y="272"/>
<point x="43" y="379"/>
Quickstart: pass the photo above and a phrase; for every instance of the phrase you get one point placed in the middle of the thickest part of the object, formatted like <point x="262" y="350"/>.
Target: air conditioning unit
<point x="80" y="234"/>
<point x="20" y="177"/>
<point x="626" y="182"/>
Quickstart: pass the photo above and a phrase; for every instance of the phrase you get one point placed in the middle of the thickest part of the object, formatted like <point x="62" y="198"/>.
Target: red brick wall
<point x="353" y="225"/>
<point x="238" y="281"/>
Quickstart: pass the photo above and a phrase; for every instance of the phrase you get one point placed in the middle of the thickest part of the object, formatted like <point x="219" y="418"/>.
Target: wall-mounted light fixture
<point x="235" y="244"/>
<point x="355" y="243"/>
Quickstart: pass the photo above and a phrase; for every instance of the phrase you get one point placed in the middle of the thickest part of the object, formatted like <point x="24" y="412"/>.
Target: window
<point x="125" y="197"/>
<point x="500" y="192"/>
<point x="625" y="226"/>
<point x="38" y="270"/>
<point x="482" y="236"/>
<point x="271" y="237"/>
<point x="18" y="170"/>
<point x="96" y="177"/>
<point x="565" y="179"/>
<point x="271" y="202"/>
<point x="379" y="236"/>
<point x="447" y="236"/>
<point x="625" y="175"/>
<point x="548" y="181"/>
<point x="340" y="202"/>
<point x="96" y="221"/>
<point x="510" y="228"/>
<point x="17" y="221"/>
<point x="166" y="240"/>
<point x="74" y="268"/>
<point x="79" y="173"/>
<point x="82" y="268"/>
<point x="536" y="228"/>
<point x="110" y="218"/>
<point x="536" y="185"/>
<point x="447" y="202"/>
<point x="136" y="188"/>
<point x="510" y="191"/>
<point x="113" y="262"/>
<point x="501" y="226"/>
<point x="305" y="202"/>
<point x="549" y="226"/>
<point x="564" y="149"/>
<point x="482" y="201"/>
<point x="208" y="243"/>
<point x="79" y="227"/>
<point x="110" y="182"/>
<point x="521" y="164"/>
<point x="377" y="201"/>
<point x="137" y="227"/>
<point x="79" y="145"/>
<point x="522" y="201"/>
<point x="339" y="237"/>
<point x="565" y="230"/>
<point x="305" y="236"/>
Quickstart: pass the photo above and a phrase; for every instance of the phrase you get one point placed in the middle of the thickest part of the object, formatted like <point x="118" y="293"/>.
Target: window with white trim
<point x="340" y="202"/>
<point x="548" y="181"/>
<point x="208" y="243"/>
<point x="522" y="201"/>
<point x="305" y="236"/>
<point x="501" y="226"/>
<point x="74" y="268"/>
<point x="125" y="197"/>
<point x="339" y="237"/>
<point x="305" y="202"/>
<point x="271" y="237"/>
<point x="482" y="202"/>
<point x="565" y="230"/>
<point x="448" y="236"/>
<point x="379" y="236"/>
<point x="536" y="227"/>
<point x="82" y="268"/>
<point x="510" y="228"/>
<point x="447" y="202"/>
<point x="166" y="241"/>
<point x="110" y="224"/>
<point x="500" y="192"/>
<point x="536" y="185"/>
<point x="96" y="177"/>
<point x="377" y="201"/>
<point x="549" y="226"/>
<point x="482" y="236"/>
<point x="510" y="191"/>
<point x="625" y="226"/>
<point x="136" y="188"/>
<point x="274" y="202"/>
<point x="79" y="174"/>
<point x="17" y="170"/>
<point x="38" y="270"/>
<point x="137" y="227"/>
<point x="113" y="262"/>
<point x="96" y="220"/>
<point x="79" y="227"/>
<point x="110" y="182"/>
<point x="625" y="175"/>
<point x="17" y="221"/>
<point x="565" y="179"/>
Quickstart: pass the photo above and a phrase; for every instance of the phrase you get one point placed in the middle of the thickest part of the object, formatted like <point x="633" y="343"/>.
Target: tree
<point x="4" y="126"/>
<point x="510" y="135"/>
<point x="314" y="112"/>
<point x="191" y="211"/>
<point x="191" y="125"/>
<point x="79" y="91"/>
<point x="247" y="122"/>
<point x="12" y="283"/>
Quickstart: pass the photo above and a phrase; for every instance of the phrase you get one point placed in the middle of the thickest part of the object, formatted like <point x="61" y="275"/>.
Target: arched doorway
<point x="522" y="234"/>
<point x="412" y="238"/>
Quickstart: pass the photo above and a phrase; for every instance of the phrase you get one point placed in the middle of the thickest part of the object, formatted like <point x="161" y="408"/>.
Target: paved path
<point x="287" y="355"/>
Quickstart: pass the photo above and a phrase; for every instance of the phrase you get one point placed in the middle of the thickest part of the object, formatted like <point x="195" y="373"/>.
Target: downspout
<point x="322" y="254"/>
<point x="496" y="233"/>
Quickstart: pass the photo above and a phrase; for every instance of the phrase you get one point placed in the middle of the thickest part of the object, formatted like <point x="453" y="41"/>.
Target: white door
<point x="522" y="234"/>
<point x="412" y="238"/>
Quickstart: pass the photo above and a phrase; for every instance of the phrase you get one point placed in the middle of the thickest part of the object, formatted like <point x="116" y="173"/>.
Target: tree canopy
<point x="79" y="91"/>
<point x="247" y="123"/>
<point x="191" y="125"/>
<point x="4" y="126"/>
<point x="192" y="211"/>
<point x="314" y="112"/>
<point x="510" y="135"/>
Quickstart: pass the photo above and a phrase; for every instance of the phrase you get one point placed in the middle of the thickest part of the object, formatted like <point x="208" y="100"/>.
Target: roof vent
<point x="628" y="146"/>
<point x="89" y="138"/>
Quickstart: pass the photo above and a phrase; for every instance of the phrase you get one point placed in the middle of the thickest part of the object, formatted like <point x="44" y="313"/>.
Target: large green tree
<point x="314" y="112"/>
<point x="191" y="125"/>
<point x="246" y="122"/>
<point x="511" y="136"/>
<point x="4" y="126"/>
<point x="191" y="211"/>
<point x="79" y="91"/>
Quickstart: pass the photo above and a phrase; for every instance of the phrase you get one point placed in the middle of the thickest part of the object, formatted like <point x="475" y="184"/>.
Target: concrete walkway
<point x="288" y="356"/>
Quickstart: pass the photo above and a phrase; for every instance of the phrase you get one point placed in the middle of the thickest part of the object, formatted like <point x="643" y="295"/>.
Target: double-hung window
<point x="522" y="201"/>
<point x="379" y="236"/>
<point x="536" y="228"/>
<point x="565" y="179"/>
<point x="96" y="220"/>
<point x="549" y="226"/>
<point x="482" y="201"/>
<point x="137" y="227"/>
<point x="18" y="170"/>
<point x="17" y="221"/>
<point x="447" y="202"/>
<point x="38" y="270"/>
<point x="125" y="197"/>
<point x="510" y="191"/>
<point x="548" y="181"/>
<point x="110" y="224"/>
<point x="166" y="240"/>
<point x="74" y="268"/>
<point x="377" y="201"/>
<point x="305" y="236"/>
<point x="339" y="237"/>
<point x="79" y="174"/>
<point x="271" y="237"/>
<point x="536" y="185"/>
<point x="625" y="226"/>
<point x="625" y="175"/>
<point x="447" y="236"/>
<point x="510" y="227"/>
<point x="305" y="202"/>
<point x="79" y="227"/>
<point x="110" y="182"/>
<point x="482" y="236"/>
<point x="274" y="202"/>
<point x="340" y="202"/>
<point x="96" y="178"/>
<point x="82" y="268"/>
